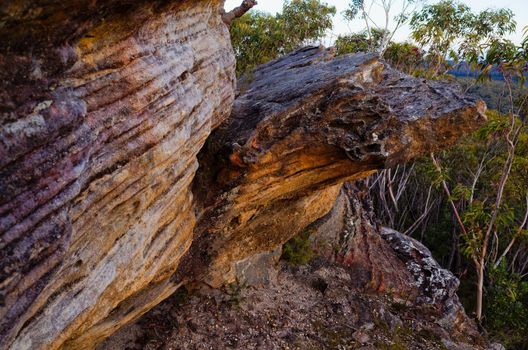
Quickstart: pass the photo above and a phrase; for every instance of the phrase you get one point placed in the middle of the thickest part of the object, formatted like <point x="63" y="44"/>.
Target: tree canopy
<point x="449" y="29"/>
<point x="258" y="37"/>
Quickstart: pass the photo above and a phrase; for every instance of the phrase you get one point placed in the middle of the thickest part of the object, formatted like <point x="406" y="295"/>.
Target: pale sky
<point x="519" y="8"/>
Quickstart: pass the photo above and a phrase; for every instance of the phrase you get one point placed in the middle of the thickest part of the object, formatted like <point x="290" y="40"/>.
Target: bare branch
<point x="229" y="17"/>
<point x="476" y="176"/>
<point x="448" y="193"/>
<point x="427" y="209"/>
<point x="519" y="231"/>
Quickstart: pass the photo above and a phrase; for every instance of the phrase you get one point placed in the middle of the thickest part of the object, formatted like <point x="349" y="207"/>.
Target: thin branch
<point x="229" y="17"/>
<point x="448" y="193"/>
<point x="480" y="168"/>
<point x="518" y="233"/>
<point x="427" y="209"/>
<point x="391" y="192"/>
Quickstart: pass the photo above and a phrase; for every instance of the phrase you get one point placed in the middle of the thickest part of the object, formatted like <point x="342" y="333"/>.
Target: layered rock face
<point x="299" y="128"/>
<point x="366" y="287"/>
<point x="109" y="202"/>
<point x="98" y="143"/>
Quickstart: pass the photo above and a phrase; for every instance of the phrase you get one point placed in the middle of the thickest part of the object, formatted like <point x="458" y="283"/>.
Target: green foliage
<point x="352" y="43"/>
<point x="508" y="58"/>
<point x="256" y="39"/>
<point x="353" y="10"/>
<point x="506" y="316"/>
<point x="495" y="94"/>
<point x="304" y="20"/>
<point x="459" y="166"/>
<point x="259" y="37"/>
<point x="234" y="290"/>
<point x="475" y="218"/>
<point x="359" y="42"/>
<point x="298" y="250"/>
<point x="395" y="15"/>
<point x="449" y="29"/>
<point x="405" y="56"/>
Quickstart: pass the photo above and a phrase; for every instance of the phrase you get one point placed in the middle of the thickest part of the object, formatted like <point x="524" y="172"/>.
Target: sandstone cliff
<point x="104" y="109"/>
<point x="109" y="199"/>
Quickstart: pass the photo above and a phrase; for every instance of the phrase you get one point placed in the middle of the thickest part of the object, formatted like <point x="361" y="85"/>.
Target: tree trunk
<point x="480" y="289"/>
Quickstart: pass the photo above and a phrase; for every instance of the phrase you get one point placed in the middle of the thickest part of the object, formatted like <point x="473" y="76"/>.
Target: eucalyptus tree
<point x="450" y="32"/>
<point x="380" y="32"/>
<point x="258" y="37"/>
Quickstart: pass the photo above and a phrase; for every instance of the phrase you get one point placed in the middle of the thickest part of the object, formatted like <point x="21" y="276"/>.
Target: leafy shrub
<point x="298" y="250"/>
<point x="259" y="37"/>
<point x="507" y="310"/>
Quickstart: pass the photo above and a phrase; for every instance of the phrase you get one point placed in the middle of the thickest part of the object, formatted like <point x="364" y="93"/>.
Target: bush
<point x="259" y="37"/>
<point x="506" y="316"/>
<point x="298" y="250"/>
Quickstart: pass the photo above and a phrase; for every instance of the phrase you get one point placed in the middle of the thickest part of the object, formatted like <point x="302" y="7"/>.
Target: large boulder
<point x="383" y="261"/>
<point x="301" y="126"/>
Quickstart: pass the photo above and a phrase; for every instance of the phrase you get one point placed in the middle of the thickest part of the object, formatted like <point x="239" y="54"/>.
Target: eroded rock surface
<point x="300" y="127"/>
<point x="437" y="285"/>
<point x="369" y="287"/>
<point x="386" y="262"/>
<point x="350" y="235"/>
<point x="104" y="112"/>
<point x="97" y="154"/>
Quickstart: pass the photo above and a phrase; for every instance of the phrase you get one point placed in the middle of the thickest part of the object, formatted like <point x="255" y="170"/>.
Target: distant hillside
<point x="463" y="70"/>
<point x="493" y="92"/>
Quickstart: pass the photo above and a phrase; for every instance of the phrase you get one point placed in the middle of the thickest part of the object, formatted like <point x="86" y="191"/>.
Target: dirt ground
<point x="307" y="307"/>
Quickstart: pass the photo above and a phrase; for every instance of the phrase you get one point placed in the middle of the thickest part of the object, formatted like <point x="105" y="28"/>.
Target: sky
<point x="519" y="8"/>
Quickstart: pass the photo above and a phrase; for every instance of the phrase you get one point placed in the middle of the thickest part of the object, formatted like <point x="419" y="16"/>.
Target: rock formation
<point x="385" y="262"/>
<point x="299" y="128"/>
<point x="109" y="202"/>
<point x="104" y="109"/>
<point x="367" y="287"/>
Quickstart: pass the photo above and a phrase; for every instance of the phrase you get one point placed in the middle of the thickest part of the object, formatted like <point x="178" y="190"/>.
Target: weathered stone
<point x="381" y="259"/>
<point x="302" y="125"/>
<point x="437" y="285"/>
<point x="349" y="235"/>
<point x="97" y="157"/>
<point x="259" y="269"/>
<point x="104" y="110"/>
<point x="384" y="261"/>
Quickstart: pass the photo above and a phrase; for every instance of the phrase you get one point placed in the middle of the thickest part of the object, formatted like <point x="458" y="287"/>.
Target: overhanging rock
<point x="301" y="126"/>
